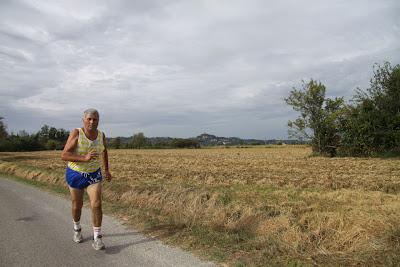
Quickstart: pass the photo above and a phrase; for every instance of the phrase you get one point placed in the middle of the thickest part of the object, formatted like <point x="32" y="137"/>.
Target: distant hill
<point x="210" y="140"/>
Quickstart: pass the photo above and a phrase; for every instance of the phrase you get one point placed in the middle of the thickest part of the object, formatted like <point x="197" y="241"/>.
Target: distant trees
<point x="185" y="143"/>
<point x="138" y="140"/>
<point x="117" y="143"/>
<point x="20" y="142"/>
<point x="48" y="138"/>
<point x="369" y="125"/>
<point x="52" y="138"/>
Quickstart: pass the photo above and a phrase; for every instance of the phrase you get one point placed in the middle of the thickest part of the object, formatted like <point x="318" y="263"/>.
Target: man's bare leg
<point x="77" y="203"/>
<point x="94" y="192"/>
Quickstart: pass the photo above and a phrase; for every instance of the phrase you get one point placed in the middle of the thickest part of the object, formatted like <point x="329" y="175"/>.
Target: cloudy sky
<point x="181" y="68"/>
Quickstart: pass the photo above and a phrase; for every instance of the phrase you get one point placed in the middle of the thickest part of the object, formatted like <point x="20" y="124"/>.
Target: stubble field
<point x="254" y="206"/>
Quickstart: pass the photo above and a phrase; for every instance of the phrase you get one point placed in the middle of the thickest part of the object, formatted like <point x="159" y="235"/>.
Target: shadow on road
<point x="90" y="238"/>
<point x="160" y="231"/>
<point x="117" y="248"/>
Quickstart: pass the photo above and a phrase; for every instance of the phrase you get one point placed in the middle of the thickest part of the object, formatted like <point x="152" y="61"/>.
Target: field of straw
<point x="254" y="206"/>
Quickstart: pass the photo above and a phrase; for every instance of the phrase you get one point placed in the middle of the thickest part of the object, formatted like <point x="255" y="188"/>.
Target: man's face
<point x="90" y="122"/>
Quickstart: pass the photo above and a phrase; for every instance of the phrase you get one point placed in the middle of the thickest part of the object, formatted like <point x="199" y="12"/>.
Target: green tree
<point x="372" y="122"/>
<point x="319" y="118"/>
<point x="52" y="133"/>
<point x="51" y="144"/>
<point x="62" y="135"/>
<point x="138" y="140"/>
<point x="44" y="134"/>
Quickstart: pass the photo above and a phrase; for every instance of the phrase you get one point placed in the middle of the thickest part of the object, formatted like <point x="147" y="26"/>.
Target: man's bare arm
<point x="105" y="160"/>
<point x="105" y="154"/>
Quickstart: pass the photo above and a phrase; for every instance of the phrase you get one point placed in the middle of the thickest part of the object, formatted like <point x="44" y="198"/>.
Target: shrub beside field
<point x="256" y="206"/>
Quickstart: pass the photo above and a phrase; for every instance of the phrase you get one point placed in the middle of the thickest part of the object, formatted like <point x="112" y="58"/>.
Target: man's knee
<point x="77" y="204"/>
<point x="96" y="204"/>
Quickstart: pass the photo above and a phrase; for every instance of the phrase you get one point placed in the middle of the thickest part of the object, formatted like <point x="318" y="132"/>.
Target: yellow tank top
<point x="83" y="147"/>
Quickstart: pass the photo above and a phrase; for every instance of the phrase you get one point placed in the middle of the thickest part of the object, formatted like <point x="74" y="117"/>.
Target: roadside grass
<point x="250" y="207"/>
<point x="149" y="222"/>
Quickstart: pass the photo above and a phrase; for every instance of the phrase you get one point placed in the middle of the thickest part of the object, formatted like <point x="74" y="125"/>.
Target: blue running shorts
<point x="81" y="180"/>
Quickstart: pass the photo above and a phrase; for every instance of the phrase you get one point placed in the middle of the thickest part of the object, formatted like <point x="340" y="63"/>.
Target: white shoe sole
<point x="98" y="248"/>
<point x="78" y="240"/>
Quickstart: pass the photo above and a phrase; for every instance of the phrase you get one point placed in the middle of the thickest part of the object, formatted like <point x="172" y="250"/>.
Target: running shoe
<point x="98" y="243"/>
<point x="77" y="236"/>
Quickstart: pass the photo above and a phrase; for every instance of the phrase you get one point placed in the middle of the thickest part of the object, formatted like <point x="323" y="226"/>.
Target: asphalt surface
<point x="36" y="230"/>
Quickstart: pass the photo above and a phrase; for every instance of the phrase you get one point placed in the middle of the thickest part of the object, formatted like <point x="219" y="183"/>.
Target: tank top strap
<point x="81" y="134"/>
<point x="99" y="136"/>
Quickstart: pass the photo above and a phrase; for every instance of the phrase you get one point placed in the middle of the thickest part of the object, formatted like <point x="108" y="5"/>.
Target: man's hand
<point x="108" y="175"/>
<point x="91" y="155"/>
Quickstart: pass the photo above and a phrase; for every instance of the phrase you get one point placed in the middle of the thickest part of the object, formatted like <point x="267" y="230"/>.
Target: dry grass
<point x="256" y="206"/>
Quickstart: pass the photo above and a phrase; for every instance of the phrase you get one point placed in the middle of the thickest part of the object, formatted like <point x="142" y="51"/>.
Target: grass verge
<point x="199" y="239"/>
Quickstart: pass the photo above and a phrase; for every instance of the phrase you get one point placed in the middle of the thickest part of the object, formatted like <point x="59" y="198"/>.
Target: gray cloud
<point x="181" y="68"/>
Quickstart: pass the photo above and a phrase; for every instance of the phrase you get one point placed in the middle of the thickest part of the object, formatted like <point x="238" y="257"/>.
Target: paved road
<point x="36" y="230"/>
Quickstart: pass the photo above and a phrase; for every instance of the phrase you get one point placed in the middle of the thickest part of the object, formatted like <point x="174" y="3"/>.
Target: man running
<point x="82" y="151"/>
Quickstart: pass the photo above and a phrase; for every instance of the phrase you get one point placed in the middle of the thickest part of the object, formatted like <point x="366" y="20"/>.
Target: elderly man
<point x="82" y="151"/>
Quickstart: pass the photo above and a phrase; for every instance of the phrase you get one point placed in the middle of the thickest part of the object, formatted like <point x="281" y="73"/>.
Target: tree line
<point x="47" y="138"/>
<point x="140" y="141"/>
<point x="51" y="138"/>
<point x="368" y="125"/>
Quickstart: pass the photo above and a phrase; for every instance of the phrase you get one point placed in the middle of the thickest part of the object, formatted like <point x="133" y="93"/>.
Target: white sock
<point x="96" y="232"/>
<point x="77" y="225"/>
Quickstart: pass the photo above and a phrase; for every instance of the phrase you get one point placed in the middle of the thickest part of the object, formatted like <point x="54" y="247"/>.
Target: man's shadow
<point x="166" y="230"/>
<point x="118" y="248"/>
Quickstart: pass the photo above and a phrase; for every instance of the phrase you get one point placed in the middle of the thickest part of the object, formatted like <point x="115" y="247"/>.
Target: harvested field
<point x="251" y="206"/>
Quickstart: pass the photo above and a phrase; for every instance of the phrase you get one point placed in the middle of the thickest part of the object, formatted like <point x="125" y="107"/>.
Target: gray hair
<point x="92" y="111"/>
